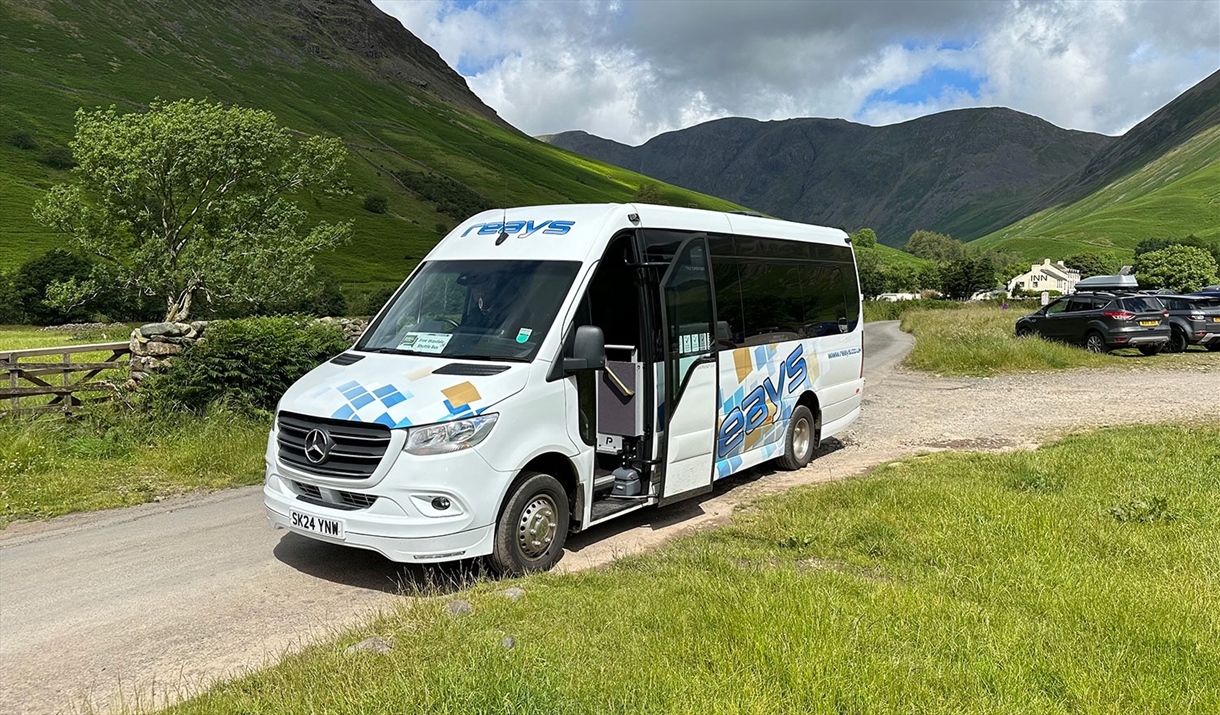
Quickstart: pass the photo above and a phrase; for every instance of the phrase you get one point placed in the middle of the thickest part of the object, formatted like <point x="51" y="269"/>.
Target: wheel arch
<point x="809" y="399"/>
<point x="558" y="466"/>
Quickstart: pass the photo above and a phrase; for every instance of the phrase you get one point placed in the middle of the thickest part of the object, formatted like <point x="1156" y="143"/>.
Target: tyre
<point x="1024" y="332"/>
<point x="1177" y="342"/>
<point x="1150" y="350"/>
<point x="801" y="440"/>
<point x="532" y="527"/>
<point x="1095" y="343"/>
<point x="1214" y="347"/>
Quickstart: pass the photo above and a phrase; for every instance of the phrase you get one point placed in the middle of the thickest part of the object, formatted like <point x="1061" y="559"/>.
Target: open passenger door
<point x="689" y="323"/>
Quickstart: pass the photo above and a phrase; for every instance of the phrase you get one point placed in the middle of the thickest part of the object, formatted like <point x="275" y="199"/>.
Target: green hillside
<point x="1172" y="196"/>
<point x="337" y="67"/>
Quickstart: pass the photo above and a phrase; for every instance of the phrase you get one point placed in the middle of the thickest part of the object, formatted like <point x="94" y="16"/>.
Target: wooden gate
<point x="34" y="375"/>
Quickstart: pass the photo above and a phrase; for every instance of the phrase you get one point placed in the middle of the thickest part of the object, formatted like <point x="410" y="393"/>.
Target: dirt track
<point x="144" y="602"/>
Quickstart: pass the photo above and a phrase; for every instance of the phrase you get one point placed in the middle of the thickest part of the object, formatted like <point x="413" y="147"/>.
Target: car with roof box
<point x="1103" y="315"/>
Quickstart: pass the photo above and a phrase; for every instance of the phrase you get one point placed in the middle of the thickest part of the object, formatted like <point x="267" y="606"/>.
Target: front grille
<point x="356" y="499"/>
<point x="358" y="449"/>
<point x="348" y="501"/>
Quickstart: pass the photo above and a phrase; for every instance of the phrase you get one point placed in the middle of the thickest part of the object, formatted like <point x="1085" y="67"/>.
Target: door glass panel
<point x="688" y="312"/>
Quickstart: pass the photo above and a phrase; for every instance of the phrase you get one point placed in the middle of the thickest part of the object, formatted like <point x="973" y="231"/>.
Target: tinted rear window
<point x="1142" y="305"/>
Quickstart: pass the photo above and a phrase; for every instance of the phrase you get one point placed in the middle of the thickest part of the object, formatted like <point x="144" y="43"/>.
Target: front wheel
<point x="532" y="527"/>
<point x="800" y="441"/>
<point x="1024" y="332"/>
<point x="1094" y="343"/>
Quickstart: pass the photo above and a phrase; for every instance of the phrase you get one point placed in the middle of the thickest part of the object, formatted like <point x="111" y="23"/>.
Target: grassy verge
<point x="26" y="337"/>
<point x="1079" y="577"/>
<point x="106" y="459"/>
<point x="979" y="341"/>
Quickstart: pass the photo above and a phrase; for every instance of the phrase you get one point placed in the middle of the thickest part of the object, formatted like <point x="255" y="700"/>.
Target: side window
<point x="1077" y="305"/>
<point x="689" y="312"/>
<point x="771" y="300"/>
<point x="730" y="327"/>
<point x="1058" y="306"/>
<point x="825" y="300"/>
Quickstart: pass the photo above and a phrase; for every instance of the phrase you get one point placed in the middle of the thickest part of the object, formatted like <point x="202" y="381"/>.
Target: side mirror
<point x="588" y="350"/>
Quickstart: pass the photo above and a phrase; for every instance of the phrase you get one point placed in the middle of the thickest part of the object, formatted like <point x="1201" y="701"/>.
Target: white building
<point x="1046" y="276"/>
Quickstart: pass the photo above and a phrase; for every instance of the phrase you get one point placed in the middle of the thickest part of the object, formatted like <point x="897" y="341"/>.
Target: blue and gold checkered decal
<point x="397" y="398"/>
<point x="759" y="387"/>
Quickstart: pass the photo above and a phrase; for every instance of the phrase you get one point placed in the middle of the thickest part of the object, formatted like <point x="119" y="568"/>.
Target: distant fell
<point x="965" y="172"/>
<point x="416" y="135"/>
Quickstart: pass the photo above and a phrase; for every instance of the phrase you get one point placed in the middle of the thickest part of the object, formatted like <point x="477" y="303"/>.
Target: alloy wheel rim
<point x="537" y="527"/>
<point x="1094" y="344"/>
<point x="800" y="438"/>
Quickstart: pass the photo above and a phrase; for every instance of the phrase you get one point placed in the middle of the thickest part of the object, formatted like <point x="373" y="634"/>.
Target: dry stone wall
<point x="154" y="346"/>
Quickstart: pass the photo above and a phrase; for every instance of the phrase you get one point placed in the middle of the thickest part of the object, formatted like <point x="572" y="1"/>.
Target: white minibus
<point x="549" y="368"/>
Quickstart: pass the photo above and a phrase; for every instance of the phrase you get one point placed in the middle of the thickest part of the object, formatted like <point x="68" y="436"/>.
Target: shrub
<point x="875" y="310"/>
<point x="376" y="204"/>
<point x="23" y="140"/>
<point x="362" y="302"/>
<point x="59" y="157"/>
<point x="247" y="363"/>
<point x="452" y="198"/>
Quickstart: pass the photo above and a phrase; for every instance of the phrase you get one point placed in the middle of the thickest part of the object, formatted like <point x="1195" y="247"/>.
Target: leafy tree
<point x="962" y="278"/>
<point x="376" y="204"/>
<point x="901" y="279"/>
<point x="10" y="301"/>
<point x="23" y="140"/>
<point x="59" y="157"/>
<point x="1185" y="269"/>
<point x="1092" y="264"/>
<point x="648" y="193"/>
<point x="934" y="246"/>
<point x="864" y="238"/>
<point x="872" y="273"/>
<point x="31" y="279"/>
<point x="928" y="277"/>
<point x="191" y="199"/>
<point x="1149" y="245"/>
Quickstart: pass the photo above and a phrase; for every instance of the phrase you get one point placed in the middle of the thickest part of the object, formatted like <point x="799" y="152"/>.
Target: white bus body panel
<point x="536" y="416"/>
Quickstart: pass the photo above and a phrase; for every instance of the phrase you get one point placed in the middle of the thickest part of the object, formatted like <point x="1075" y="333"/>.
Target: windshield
<point x="483" y="310"/>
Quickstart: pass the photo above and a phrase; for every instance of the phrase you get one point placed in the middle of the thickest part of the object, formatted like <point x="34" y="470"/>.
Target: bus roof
<point x="581" y="231"/>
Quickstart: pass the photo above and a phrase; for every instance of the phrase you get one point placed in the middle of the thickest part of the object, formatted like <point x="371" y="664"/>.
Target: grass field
<point x="978" y="341"/>
<point x="60" y="57"/>
<point x="1176" y="195"/>
<point x="114" y="458"/>
<point x="1077" y="578"/>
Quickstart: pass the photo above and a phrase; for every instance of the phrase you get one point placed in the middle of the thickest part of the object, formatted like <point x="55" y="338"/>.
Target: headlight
<point x="445" y="437"/>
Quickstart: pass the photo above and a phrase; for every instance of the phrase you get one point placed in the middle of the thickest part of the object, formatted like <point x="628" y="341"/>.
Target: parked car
<point x="1209" y="292"/>
<point x="1101" y="322"/>
<point x="1193" y="320"/>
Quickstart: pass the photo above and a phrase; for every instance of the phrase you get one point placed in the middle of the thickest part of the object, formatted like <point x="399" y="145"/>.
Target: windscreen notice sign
<point x="425" y="342"/>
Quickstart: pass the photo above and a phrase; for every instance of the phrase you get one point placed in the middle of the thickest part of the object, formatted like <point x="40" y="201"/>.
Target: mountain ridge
<point x="966" y="172"/>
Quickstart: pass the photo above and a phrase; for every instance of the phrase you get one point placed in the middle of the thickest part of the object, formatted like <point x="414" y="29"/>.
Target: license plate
<point x="1150" y="323"/>
<point x="332" y="528"/>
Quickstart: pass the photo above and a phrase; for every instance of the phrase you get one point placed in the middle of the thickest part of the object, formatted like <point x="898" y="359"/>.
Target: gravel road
<point x="149" y="603"/>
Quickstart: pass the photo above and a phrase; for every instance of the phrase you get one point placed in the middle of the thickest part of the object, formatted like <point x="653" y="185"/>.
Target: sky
<point x="631" y="69"/>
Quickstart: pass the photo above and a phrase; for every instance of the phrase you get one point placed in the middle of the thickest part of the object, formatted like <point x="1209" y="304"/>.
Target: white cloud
<point x="630" y="70"/>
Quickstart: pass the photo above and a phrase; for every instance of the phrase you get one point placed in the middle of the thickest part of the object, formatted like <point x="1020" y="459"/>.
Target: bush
<point x="247" y="364"/>
<point x="59" y="157"/>
<point x="23" y="140"/>
<point x="452" y="198"/>
<point x="376" y="204"/>
<point x="367" y="301"/>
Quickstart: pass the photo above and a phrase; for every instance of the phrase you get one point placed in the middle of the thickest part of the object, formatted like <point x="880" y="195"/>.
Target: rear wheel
<point x="1151" y="350"/>
<point x="1177" y="342"/>
<point x="1095" y="343"/>
<point x="800" y="441"/>
<point x="532" y="528"/>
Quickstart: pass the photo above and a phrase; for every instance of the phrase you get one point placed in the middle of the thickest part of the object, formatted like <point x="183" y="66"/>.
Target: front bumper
<point x="400" y="541"/>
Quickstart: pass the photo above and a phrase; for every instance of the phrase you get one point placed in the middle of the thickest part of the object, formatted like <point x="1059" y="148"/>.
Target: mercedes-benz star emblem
<point x="318" y="444"/>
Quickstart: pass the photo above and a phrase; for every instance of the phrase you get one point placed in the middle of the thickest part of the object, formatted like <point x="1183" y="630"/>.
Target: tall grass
<point x="980" y="341"/>
<point x="953" y="583"/>
<point x="109" y="457"/>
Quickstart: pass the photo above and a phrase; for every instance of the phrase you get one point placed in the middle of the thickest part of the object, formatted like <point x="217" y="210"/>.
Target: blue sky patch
<point x="930" y="85"/>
